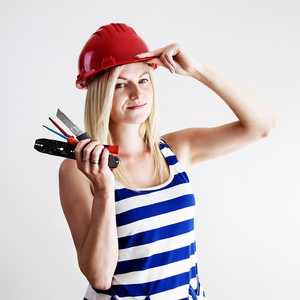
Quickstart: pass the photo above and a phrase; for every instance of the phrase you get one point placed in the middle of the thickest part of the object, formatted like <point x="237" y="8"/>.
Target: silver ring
<point x="93" y="162"/>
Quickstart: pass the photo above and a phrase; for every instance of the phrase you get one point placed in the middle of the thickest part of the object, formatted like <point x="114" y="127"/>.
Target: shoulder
<point x="68" y="167"/>
<point x="68" y="171"/>
<point x="67" y="164"/>
<point x="181" y="149"/>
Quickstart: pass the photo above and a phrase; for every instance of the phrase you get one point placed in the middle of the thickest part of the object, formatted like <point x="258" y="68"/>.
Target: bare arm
<point x="254" y="122"/>
<point x="193" y="145"/>
<point x="92" y="222"/>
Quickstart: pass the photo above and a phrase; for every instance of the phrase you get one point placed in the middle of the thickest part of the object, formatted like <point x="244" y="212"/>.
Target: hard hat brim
<point x="84" y="79"/>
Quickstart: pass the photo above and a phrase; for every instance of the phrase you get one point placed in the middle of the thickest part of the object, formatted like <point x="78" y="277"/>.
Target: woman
<point x="133" y="226"/>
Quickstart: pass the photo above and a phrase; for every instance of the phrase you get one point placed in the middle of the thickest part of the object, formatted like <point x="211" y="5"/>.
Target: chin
<point x="138" y="120"/>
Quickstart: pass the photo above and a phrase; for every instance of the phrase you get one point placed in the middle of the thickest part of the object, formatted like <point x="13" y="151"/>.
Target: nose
<point x="135" y="91"/>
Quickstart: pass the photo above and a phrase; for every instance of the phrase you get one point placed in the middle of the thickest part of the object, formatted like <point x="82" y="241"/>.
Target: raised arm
<point x="254" y="122"/>
<point x="193" y="145"/>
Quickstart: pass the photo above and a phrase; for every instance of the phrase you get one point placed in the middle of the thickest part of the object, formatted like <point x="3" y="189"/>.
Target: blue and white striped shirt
<point x="157" y="246"/>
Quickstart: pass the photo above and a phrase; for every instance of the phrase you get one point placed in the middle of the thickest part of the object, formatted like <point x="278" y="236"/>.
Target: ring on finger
<point x="93" y="161"/>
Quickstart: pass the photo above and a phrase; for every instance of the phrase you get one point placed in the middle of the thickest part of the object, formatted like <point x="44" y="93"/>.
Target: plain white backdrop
<point x="247" y="201"/>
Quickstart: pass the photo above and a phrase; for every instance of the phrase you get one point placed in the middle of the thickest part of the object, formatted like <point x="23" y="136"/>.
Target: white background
<point x="247" y="201"/>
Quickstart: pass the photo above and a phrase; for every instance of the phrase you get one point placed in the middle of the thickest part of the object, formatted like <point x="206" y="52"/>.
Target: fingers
<point x="86" y="152"/>
<point x="95" y="157"/>
<point x="104" y="158"/>
<point x="165" y="55"/>
<point x="83" y="153"/>
<point x="92" y="160"/>
<point x="166" y="60"/>
<point x="80" y="145"/>
<point x="162" y="61"/>
<point x="169" y="58"/>
<point x="155" y="60"/>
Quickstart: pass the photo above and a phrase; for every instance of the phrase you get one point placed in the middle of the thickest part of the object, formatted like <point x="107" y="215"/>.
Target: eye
<point x="119" y="85"/>
<point x="145" y="79"/>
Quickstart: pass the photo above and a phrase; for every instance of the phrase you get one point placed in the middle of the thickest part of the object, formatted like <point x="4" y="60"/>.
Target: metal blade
<point x="73" y="128"/>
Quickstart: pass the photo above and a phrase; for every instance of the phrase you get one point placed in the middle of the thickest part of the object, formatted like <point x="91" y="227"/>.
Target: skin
<point x="194" y="145"/>
<point x="191" y="145"/>
<point x="133" y="87"/>
<point x="87" y="189"/>
<point x="125" y="123"/>
<point x="91" y="217"/>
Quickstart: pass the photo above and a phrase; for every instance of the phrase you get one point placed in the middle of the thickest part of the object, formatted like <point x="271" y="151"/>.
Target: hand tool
<point x="59" y="148"/>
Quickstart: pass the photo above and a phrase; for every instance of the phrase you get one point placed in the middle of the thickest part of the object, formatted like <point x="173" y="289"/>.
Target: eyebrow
<point x="120" y="77"/>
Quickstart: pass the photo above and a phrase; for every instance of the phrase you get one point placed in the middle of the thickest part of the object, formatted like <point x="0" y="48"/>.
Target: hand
<point x="173" y="58"/>
<point x="92" y="160"/>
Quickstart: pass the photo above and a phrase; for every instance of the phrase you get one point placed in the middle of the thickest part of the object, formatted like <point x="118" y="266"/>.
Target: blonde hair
<point x="98" y="106"/>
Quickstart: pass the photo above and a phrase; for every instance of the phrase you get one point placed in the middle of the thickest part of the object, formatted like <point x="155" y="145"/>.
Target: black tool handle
<point x="63" y="149"/>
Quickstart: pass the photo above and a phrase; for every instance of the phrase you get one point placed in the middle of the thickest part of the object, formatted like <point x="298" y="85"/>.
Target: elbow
<point x="99" y="278"/>
<point x="262" y="130"/>
<point x="273" y="124"/>
<point x="266" y="132"/>
<point x="101" y="284"/>
<point x="104" y="280"/>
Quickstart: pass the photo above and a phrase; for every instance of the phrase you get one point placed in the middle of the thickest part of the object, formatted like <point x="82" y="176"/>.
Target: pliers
<point x="67" y="149"/>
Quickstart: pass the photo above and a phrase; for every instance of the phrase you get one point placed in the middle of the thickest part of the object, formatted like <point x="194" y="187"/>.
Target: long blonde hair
<point x="98" y="106"/>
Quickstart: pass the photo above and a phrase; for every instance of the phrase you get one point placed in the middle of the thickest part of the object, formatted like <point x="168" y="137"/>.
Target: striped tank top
<point x="157" y="245"/>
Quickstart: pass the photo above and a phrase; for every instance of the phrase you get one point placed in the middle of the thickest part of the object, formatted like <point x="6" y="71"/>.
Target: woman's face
<point x="133" y="88"/>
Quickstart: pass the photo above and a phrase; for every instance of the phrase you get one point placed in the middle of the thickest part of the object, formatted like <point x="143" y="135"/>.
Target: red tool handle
<point x="114" y="149"/>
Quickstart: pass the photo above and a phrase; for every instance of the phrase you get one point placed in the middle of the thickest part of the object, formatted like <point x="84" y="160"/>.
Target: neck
<point x="130" y="142"/>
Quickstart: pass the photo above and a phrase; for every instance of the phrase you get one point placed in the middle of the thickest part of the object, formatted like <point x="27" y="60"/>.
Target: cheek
<point x="118" y="99"/>
<point x="114" y="108"/>
<point x="117" y="107"/>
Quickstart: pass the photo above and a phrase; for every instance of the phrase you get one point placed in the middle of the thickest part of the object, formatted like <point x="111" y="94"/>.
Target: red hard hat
<point x="111" y="45"/>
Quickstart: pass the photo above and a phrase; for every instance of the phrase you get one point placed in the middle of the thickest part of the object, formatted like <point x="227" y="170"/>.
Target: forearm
<point x="251" y="114"/>
<point x="99" y="254"/>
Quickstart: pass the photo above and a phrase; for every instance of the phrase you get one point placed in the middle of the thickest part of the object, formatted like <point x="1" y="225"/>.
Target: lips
<point x="136" y="106"/>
